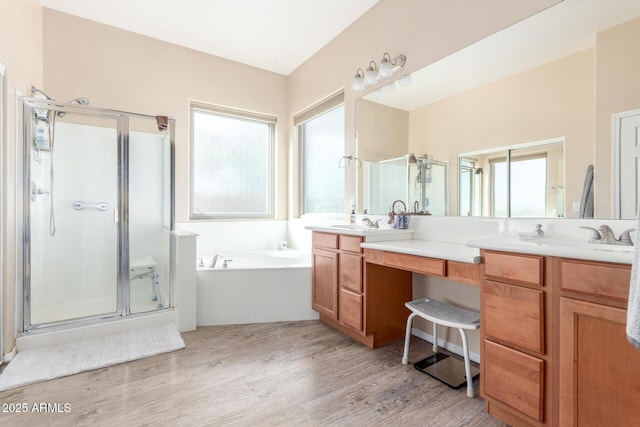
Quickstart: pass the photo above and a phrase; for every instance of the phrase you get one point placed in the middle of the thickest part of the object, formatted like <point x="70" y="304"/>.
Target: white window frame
<point x="322" y="107"/>
<point x="202" y="108"/>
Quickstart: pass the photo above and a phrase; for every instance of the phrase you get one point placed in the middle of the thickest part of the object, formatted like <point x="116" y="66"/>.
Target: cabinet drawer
<point x="513" y="314"/>
<point x="350" y="243"/>
<point x="527" y="269"/>
<point x="610" y="280"/>
<point x="514" y="378"/>
<point x="372" y="255"/>
<point x="417" y="264"/>
<point x="324" y="240"/>
<point x="351" y="272"/>
<point x="464" y="272"/>
<point x="350" y="309"/>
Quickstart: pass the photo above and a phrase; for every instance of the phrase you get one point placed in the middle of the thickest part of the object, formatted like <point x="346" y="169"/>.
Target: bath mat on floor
<point x="41" y="364"/>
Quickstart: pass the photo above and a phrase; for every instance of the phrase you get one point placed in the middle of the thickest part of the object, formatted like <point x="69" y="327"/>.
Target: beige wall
<point x="21" y="53"/>
<point x="424" y="30"/>
<point x="552" y="100"/>
<point x="617" y="90"/>
<point x="126" y="71"/>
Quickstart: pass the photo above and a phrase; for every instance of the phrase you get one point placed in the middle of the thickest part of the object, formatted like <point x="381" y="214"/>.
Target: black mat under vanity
<point x="445" y="368"/>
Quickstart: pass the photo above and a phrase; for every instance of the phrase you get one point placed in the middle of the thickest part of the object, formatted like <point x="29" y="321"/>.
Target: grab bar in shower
<point x="80" y="205"/>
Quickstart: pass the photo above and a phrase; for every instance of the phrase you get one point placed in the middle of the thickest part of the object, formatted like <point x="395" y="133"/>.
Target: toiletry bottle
<point x="352" y="217"/>
<point x="42" y="139"/>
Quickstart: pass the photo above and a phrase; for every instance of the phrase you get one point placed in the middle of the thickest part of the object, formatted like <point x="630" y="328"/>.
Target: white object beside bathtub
<point x="257" y="287"/>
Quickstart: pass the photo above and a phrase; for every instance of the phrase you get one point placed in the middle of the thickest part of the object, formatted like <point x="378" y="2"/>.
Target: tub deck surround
<point x="256" y="287"/>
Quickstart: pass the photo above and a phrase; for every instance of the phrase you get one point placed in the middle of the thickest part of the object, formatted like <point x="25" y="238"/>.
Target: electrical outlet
<point x="576" y="206"/>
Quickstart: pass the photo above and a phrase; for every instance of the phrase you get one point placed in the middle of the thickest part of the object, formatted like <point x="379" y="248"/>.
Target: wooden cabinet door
<point x="325" y="282"/>
<point x="599" y="368"/>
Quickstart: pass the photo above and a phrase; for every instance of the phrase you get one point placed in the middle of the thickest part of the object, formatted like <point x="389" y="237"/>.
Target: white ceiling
<point x="275" y="35"/>
<point x="566" y="28"/>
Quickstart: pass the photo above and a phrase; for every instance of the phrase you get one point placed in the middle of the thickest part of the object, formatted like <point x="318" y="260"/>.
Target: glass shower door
<point x="150" y="216"/>
<point x="72" y="222"/>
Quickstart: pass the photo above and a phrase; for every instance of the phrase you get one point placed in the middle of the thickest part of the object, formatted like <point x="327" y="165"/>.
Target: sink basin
<point x="349" y="226"/>
<point x="579" y="244"/>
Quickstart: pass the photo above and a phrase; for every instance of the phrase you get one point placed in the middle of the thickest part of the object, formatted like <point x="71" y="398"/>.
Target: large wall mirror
<point x="546" y="91"/>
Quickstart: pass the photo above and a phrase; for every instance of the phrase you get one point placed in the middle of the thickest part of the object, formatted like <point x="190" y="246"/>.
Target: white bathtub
<point x="257" y="286"/>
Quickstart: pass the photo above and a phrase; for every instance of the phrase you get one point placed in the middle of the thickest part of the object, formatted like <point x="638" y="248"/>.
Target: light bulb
<point x="358" y="82"/>
<point x="370" y="76"/>
<point x="385" y="69"/>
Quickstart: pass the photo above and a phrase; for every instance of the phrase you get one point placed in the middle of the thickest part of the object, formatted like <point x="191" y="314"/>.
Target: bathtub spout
<point x="215" y="259"/>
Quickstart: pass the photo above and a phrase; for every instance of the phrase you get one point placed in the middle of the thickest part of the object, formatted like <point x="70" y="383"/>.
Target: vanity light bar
<point x="374" y="73"/>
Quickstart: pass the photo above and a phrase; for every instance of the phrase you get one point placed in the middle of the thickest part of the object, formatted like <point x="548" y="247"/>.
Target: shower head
<point x="37" y="93"/>
<point x="41" y="113"/>
<point x="80" y="101"/>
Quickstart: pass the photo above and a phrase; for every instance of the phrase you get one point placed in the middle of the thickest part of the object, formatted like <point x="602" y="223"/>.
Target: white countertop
<point x="402" y="241"/>
<point x="427" y="248"/>
<point x="370" y="234"/>
<point x="559" y="248"/>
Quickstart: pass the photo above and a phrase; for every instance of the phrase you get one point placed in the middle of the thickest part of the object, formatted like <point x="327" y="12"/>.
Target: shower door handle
<point x="116" y="216"/>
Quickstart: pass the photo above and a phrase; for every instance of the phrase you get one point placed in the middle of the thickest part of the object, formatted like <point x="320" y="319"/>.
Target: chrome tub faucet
<point x="215" y="259"/>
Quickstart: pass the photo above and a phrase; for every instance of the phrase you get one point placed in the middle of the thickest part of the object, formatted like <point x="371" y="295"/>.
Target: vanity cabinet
<point x="554" y="349"/>
<point x="365" y="301"/>
<point x="338" y="292"/>
<point x="514" y="351"/>
<point x="598" y="368"/>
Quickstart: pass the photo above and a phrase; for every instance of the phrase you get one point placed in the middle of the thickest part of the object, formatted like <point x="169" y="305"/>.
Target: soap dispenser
<point x="352" y="217"/>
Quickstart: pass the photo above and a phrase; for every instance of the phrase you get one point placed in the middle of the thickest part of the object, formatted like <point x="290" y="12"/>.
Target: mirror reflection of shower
<point x="44" y="141"/>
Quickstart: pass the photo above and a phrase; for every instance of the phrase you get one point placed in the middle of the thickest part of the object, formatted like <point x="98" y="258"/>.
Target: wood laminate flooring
<point x="270" y="374"/>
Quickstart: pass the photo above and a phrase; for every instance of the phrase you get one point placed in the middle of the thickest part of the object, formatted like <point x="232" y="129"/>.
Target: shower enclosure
<point x="98" y="213"/>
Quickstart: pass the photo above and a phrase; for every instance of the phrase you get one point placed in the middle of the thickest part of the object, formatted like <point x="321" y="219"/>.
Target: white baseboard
<point x="475" y="357"/>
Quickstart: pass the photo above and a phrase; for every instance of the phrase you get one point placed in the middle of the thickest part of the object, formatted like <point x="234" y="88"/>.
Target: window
<point x="322" y="145"/>
<point x="527" y="186"/>
<point x="231" y="163"/>
<point x="522" y="180"/>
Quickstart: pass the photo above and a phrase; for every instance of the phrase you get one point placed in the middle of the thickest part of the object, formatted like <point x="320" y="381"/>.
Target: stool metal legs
<point x="407" y="338"/>
<point x="465" y="348"/>
<point x="467" y="365"/>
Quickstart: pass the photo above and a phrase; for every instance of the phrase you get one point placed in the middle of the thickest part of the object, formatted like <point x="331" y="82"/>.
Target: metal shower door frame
<point x="122" y="141"/>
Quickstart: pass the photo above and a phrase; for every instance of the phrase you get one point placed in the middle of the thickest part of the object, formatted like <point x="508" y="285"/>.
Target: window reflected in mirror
<point x="518" y="181"/>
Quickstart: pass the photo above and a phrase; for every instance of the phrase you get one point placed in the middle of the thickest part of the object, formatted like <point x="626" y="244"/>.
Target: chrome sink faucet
<point x="604" y="235"/>
<point x="371" y="224"/>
